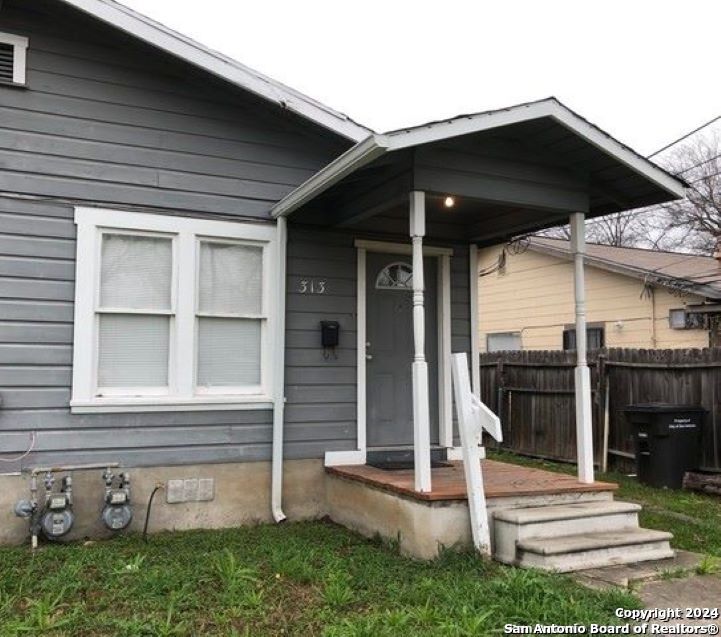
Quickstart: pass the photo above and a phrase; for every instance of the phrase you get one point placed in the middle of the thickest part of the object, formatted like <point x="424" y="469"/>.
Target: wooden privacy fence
<point x="532" y="392"/>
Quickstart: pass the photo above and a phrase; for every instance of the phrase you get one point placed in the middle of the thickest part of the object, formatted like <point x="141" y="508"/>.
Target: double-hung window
<point x="171" y="313"/>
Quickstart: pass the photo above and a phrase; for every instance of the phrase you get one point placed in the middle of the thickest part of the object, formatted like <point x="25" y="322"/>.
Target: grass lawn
<point x="293" y="579"/>
<point x="693" y="518"/>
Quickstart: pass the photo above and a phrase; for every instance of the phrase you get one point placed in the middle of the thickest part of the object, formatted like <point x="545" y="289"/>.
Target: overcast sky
<point x="646" y="71"/>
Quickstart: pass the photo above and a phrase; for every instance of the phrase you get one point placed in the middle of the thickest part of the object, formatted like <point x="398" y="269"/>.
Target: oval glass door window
<point x="395" y="276"/>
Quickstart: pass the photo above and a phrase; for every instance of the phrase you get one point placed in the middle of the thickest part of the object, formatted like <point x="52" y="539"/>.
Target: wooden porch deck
<point x="448" y="483"/>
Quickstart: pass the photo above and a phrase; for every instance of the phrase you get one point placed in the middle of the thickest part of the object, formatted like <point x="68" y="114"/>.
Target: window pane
<point x="136" y="272"/>
<point x="231" y="278"/>
<point x="594" y="338"/>
<point x="503" y="341"/>
<point x="133" y="350"/>
<point x="228" y="352"/>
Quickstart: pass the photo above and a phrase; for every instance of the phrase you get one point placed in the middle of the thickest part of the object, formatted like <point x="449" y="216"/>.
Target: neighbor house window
<point x="595" y="338"/>
<point x="13" y="55"/>
<point x="503" y="341"/>
<point x="682" y="319"/>
<point x="171" y="312"/>
<point x="677" y="319"/>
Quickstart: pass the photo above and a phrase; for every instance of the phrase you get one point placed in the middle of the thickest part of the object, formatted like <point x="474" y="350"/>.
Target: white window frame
<point x="182" y="394"/>
<point x="20" y="50"/>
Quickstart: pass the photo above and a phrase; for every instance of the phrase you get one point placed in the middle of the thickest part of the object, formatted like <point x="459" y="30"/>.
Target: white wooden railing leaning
<point x="473" y="418"/>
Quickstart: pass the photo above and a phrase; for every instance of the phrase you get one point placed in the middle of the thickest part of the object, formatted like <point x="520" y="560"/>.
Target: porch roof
<point x="536" y="146"/>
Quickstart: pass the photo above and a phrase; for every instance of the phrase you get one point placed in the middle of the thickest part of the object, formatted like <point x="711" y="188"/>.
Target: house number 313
<point x="312" y="286"/>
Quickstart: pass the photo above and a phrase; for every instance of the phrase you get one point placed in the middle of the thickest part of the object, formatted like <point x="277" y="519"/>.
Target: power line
<point x="686" y="136"/>
<point x="701" y="163"/>
<point x="645" y="210"/>
<point x="695" y="181"/>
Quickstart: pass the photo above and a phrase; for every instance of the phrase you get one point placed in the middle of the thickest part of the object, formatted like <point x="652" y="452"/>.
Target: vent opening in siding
<point x="7" y="63"/>
<point x="13" y="56"/>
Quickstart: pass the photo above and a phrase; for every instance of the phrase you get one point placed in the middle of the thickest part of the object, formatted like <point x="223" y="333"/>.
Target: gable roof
<point x="178" y="45"/>
<point x="377" y="145"/>
<point x="691" y="273"/>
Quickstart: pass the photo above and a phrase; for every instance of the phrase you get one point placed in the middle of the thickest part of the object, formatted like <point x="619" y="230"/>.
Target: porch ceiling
<point x="510" y="171"/>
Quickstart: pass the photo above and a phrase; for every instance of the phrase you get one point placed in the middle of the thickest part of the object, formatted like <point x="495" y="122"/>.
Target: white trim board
<point x="401" y="248"/>
<point x="158" y="35"/>
<point x="445" y="421"/>
<point x="473" y="282"/>
<point x="380" y="144"/>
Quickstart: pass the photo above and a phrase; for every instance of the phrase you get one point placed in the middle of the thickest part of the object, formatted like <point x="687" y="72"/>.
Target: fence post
<point x="603" y="415"/>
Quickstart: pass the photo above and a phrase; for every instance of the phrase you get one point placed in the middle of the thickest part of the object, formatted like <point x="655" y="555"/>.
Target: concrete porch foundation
<point x="375" y="502"/>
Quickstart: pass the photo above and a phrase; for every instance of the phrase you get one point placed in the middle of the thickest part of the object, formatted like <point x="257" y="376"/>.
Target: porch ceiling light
<point x="449" y="202"/>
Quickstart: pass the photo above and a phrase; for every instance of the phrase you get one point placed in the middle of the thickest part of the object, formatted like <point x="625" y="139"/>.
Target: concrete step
<point x="512" y="526"/>
<point x="593" y="550"/>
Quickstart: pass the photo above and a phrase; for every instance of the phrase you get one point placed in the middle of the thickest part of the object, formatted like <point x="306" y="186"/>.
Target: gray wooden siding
<point x="500" y="172"/>
<point x="106" y="121"/>
<point x="320" y="391"/>
<point x="109" y="121"/>
<point x="36" y="295"/>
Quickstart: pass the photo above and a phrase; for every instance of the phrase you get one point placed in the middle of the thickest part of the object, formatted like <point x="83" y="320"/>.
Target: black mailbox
<point x="329" y="333"/>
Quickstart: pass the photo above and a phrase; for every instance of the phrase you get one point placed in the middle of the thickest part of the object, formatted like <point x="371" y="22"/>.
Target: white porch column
<point x="421" y="407"/>
<point x="584" y="431"/>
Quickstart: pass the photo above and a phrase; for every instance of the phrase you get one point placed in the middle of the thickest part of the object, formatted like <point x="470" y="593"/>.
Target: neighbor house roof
<point x="370" y="149"/>
<point x="166" y="39"/>
<point x="686" y="272"/>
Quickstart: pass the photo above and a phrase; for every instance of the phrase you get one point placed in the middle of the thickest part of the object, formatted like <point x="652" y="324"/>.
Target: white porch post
<point x="584" y="432"/>
<point x="421" y="407"/>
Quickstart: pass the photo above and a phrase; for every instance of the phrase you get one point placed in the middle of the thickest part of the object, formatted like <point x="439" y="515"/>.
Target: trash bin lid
<point x="663" y="408"/>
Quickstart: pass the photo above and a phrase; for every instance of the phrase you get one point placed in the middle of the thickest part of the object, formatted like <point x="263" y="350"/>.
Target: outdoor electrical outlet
<point x="206" y="489"/>
<point x="190" y="490"/>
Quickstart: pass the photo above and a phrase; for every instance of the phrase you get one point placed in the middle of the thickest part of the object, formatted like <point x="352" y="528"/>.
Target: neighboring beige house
<point x="635" y="297"/>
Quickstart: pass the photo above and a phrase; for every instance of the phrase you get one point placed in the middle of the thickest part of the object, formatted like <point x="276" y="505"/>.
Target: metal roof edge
<point x="549" y="107"/>
<point x="619" y="268"/>
<point x="160" y="36"/>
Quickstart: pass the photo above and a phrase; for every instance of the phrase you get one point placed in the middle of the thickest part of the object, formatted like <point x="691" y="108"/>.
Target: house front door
<point x="390" y="350"/>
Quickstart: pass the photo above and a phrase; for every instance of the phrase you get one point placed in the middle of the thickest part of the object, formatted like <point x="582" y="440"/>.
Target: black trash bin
<point x="666" y="441"/>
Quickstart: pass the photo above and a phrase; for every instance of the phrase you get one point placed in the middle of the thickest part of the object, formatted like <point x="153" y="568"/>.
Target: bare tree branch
<point x="692" y="224"/>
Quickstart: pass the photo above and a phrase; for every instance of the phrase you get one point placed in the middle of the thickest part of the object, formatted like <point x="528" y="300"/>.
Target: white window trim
<point x="187" y="232"/>
<point x="20" y="46"/>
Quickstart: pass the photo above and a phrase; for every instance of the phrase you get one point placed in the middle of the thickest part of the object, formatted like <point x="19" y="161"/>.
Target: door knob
<point x="369" y="357"/>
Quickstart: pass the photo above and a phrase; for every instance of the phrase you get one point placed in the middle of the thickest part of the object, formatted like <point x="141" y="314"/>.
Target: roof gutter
<point x="356" y="157"/>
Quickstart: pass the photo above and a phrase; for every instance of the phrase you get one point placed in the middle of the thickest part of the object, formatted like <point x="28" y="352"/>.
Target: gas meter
<point x="57" y="517"/>
<point x="117" y="513"/>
